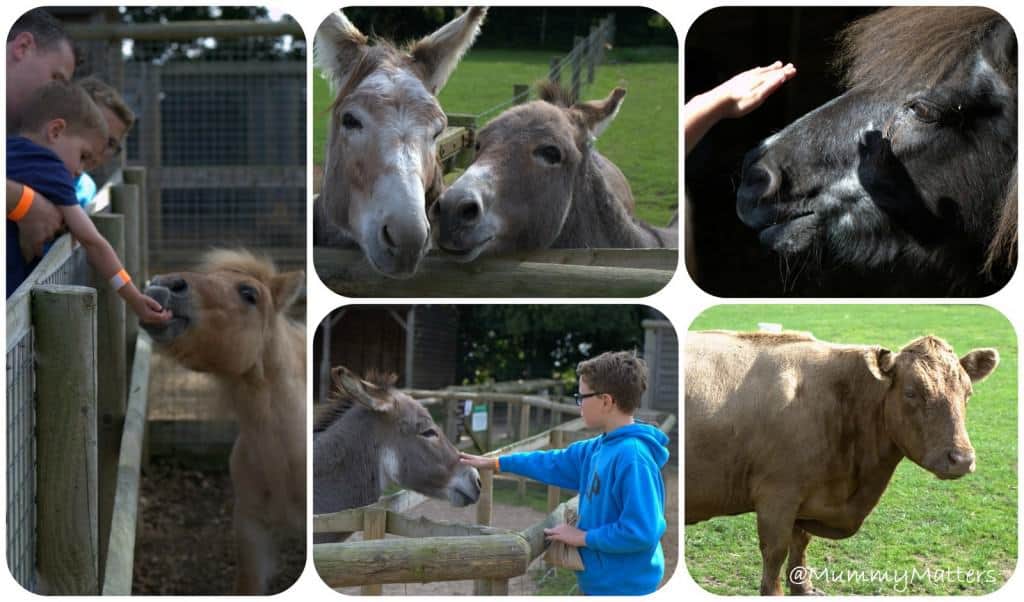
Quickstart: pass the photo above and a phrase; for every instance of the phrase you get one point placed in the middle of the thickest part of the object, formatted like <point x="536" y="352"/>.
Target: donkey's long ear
<point x="285" y="288"/>
<point x="599" y="114"/>
<point x="360" y="391"/>
<point x="439" y="53"/>
<point x="337" y="48"/>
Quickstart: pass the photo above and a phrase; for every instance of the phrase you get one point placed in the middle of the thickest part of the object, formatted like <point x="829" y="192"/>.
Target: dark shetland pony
<point x="910" y="177"/>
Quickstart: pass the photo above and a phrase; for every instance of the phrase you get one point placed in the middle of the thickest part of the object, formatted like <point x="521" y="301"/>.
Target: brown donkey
<point x="538" y="182"/>
<point x="372" y="436"/>
<point x="230" y="321"/>
<point x="380" y="165"/>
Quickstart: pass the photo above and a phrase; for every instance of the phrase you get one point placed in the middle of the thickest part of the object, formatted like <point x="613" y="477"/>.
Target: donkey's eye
<point x="349" y="122"/>
<point x="924" y="111"/>
<point x="550" y="154"/>
<point x="248" y="294"/>
<point x="429" y="433"/>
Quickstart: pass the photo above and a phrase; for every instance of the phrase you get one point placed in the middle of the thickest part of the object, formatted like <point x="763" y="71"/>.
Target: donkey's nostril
<point x="469" y="212"/>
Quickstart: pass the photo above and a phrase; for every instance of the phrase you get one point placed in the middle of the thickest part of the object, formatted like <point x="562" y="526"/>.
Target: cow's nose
<point x="961" y="461"/>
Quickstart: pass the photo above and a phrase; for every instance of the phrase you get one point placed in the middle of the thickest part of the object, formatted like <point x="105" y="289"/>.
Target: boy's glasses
<point x="579" y="397"/>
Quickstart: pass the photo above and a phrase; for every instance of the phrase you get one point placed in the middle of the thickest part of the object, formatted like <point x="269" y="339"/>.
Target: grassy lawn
<point x="643" y="140"/>
<point x="921" y="524"/>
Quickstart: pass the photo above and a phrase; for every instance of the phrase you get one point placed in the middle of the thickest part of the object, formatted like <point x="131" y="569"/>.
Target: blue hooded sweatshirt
<point x="622" y="504"/>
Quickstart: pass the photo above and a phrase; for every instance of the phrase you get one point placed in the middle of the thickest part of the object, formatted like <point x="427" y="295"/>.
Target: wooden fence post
<point x="451" y="420"/>
<point x="490" y="434"/>
<point x="64" y="318"/>
<point x="375" y="523"/>
<point x="524" y="432"/>
<point x="111" y="379"/>
<point x="577" y="64"/>
<point x="593" y="41"/>
<point x="554" y="493"/>
<point x="137" y="176"/>
<point x="555" y="70"/>
<point x="124" y="199"/>
<point x="482" y="587"/>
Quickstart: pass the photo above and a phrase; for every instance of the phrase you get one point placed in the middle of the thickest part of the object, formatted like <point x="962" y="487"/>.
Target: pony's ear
<point x="439" y="53"/>
<point x="1001" y="47"/>
<point x="979" y="363"/>
<point x="599" y="114"/>
<point x="360" y="391"/>
<point x="337" y="48"/>
<point x="285" y="288"/>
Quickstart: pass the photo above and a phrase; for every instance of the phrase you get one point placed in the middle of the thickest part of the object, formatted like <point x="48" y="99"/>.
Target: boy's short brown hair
<point x="63" y="100"/>
<point x="620" y="374"/>
<point x="105" y="95"/>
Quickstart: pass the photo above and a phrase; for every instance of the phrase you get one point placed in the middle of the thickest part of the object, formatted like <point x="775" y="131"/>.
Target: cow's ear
<point x="980" y="363"/>
<point x="881" y="362"/>
<point x="360" y="391"/>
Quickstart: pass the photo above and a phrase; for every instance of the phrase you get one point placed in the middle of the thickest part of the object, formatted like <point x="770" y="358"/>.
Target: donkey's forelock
<point x="554" y="93"/>
<point x="241" y="261"/>
<point x="927" y="43"/>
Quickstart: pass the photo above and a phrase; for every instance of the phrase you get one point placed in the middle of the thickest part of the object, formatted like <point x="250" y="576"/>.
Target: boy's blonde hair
<point x="105" y="95"/>
<point x="620" y="374"/>
<point x="59" y="99"/>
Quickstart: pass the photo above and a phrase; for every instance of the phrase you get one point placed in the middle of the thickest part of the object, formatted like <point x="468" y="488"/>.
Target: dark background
<point x="728" y="261"/>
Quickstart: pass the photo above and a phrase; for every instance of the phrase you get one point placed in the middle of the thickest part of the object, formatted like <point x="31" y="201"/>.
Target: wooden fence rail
<point x="438" y="550"/>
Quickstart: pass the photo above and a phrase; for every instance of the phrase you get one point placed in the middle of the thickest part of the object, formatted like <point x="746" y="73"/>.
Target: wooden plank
<point x="117" y="578"/>
<point x="64" y="319"/>
<point x="346" y="272"/>
<point x="111" y="378"/>
<point x="125" y="199"/>
<point x="234" y="176"/>
<point x="451" y="142"/>
<point x="137" y="177"/>
<point x="400" y="524"/>
<point x="344" y="521"/>
<point x="537" y="402"/>
<point x="554" y="493"/>
<point x="421" y="560"/>
<point x="534" y="535"/>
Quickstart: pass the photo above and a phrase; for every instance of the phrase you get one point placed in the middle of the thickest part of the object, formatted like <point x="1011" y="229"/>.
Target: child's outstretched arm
<point x="104" y="260"/>
<point x="735" y="98"/>
<point x="558" y="467"/>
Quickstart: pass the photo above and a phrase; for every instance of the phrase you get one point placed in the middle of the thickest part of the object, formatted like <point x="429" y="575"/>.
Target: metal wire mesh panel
<point x="21" y="463"/>
<point x="224" y="145"/>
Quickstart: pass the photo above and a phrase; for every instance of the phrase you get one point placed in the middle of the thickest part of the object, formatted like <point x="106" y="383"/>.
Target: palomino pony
<point x="910" y="177"/>
<point x="372" y="436"/>
<point x="230" y="321"/>
<point x="380" y="167"/>
<point x="538" y="182"/>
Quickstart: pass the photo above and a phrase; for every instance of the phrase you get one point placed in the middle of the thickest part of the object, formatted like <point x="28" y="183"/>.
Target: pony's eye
<point x="349" y="122"/>
<point x="924" y="111"/>
<point x="909" y="393"/>
<point x="550" y="154"/>
<point x="429" y="433"/>
<point x="248" y="294"/>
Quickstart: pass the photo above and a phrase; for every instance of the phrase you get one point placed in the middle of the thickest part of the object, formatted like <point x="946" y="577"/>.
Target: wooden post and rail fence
<point x="85" y="383"/>
<point x="430" y="550"/>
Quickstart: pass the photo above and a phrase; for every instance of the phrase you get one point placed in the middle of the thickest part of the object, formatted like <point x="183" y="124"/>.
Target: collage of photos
<point x="397" y="301"/>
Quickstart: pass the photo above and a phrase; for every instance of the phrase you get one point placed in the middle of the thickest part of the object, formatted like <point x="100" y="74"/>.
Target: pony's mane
<point x="239" y="260"/>
<point x="553" y="93"/>
<point x="338" y="403"/>
<point x="927" y="43"/>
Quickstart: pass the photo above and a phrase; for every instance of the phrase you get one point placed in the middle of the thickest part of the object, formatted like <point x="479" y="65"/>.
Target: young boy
<point x="618" y="475"/>
<point x="60" y="131"/>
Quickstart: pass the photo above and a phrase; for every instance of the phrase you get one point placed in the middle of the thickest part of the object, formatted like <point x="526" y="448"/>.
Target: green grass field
<point x="643" y="140"/>
<point x="921" y="524"/>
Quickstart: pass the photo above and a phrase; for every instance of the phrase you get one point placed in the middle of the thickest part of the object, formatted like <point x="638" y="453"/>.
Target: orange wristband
<point x="24" y="204"/>
<point x="120" y="279"/>
<point x="497" y="465"/>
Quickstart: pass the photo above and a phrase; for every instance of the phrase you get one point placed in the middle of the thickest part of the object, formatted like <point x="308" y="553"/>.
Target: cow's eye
<point x="349" y="122"/>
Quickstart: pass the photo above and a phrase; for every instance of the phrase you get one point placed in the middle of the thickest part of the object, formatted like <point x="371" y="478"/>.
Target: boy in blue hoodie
<point x="618" y="475"/>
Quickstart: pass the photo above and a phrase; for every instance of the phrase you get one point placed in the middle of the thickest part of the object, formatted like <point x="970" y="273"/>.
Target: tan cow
<point x="807" y="434"/>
